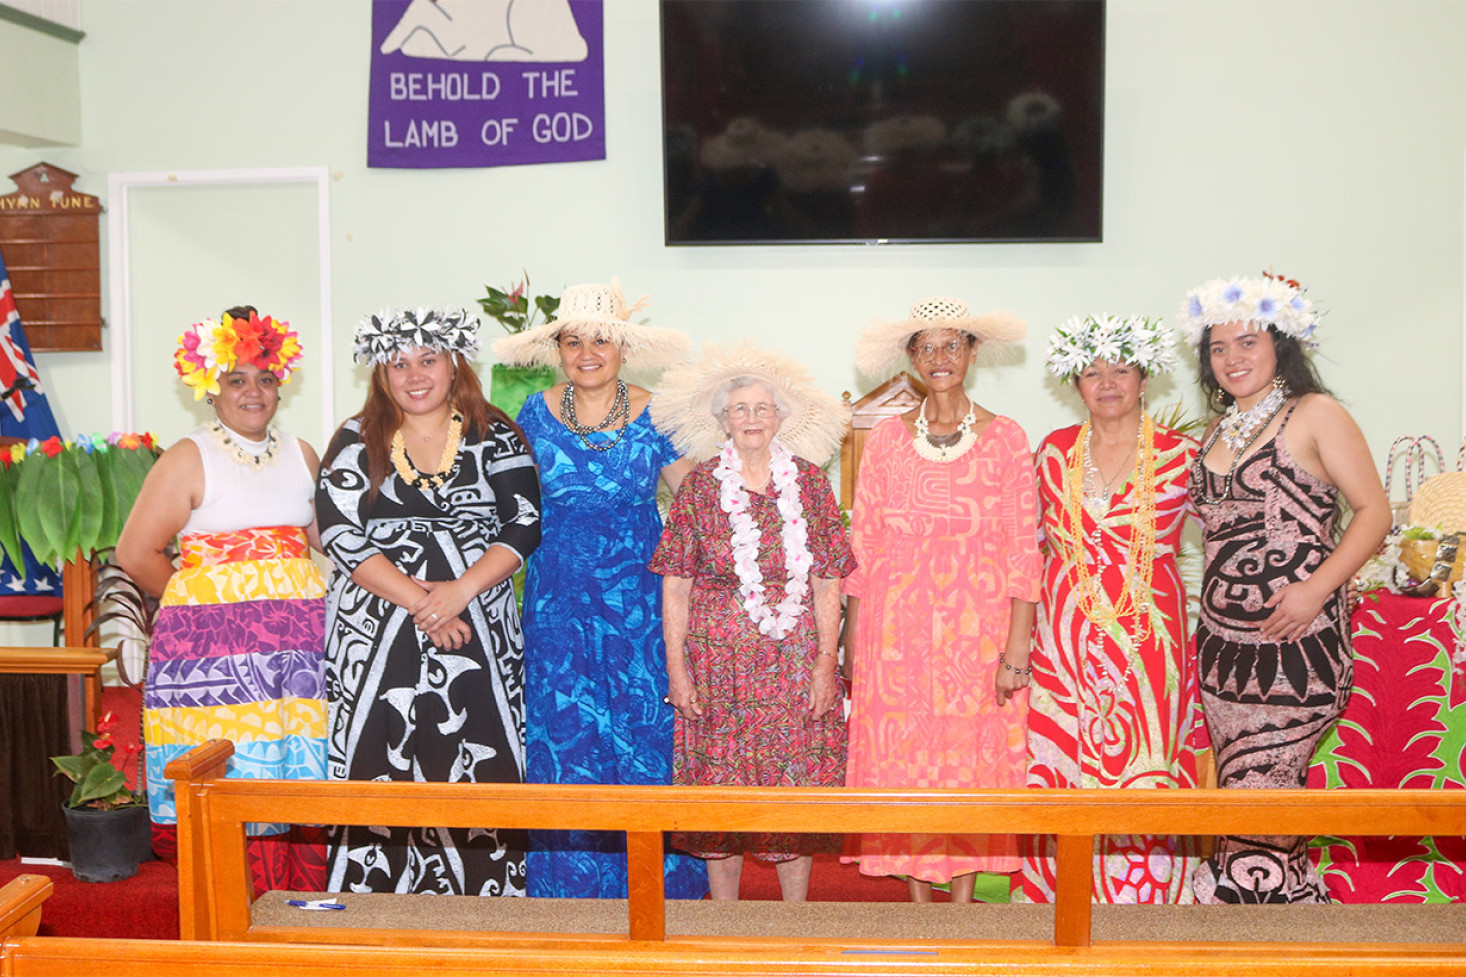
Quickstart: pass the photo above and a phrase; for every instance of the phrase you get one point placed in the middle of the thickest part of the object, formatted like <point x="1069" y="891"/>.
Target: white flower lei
<point x="779" y="621"/>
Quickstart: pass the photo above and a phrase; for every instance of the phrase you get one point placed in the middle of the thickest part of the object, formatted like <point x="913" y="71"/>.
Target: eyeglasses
<point x="930" y="351"/>
<point x="742" y="412"/>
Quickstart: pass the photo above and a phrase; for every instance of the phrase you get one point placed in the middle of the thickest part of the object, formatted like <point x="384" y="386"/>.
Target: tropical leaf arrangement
<point x="511" y="309"/>
<point x="100" y="783"/>
<point x="121" y="601"/>
<point x="64" y="497"/>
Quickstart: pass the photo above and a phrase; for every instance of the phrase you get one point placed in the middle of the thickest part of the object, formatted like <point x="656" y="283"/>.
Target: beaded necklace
<point x="1135" y="594"/>
<point x="238" y="454"/>
<point x="1238" y="427"/>
<point x="620" y="411"/>
<point x="945" y="448"/>
<point x="446" y="464"/>
<point x="1206" y="499"/>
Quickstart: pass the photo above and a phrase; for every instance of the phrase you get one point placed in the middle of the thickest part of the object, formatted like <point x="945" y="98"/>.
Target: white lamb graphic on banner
<point x="488" y="30"/>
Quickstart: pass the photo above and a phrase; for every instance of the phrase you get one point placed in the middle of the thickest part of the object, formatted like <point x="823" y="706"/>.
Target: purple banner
<point x="486" y="83"/>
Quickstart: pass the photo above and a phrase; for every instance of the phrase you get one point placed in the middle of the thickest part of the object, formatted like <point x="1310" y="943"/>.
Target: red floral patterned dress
<point x="1106" y="710"/>
<point x="755" y="730"/>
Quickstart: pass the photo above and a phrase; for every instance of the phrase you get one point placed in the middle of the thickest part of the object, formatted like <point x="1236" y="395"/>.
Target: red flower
<point x="52" y="446"/>
<point x="102" y="742"/>
<point x="106" y="722"/>
<point x="148" y="441"/>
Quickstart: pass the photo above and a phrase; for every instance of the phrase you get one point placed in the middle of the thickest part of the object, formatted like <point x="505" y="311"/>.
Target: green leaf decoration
<point x="38" y="507"/>
<point x="9" y="530"/>
<point x="90" y="509"/>
<point x="111" y="525"/>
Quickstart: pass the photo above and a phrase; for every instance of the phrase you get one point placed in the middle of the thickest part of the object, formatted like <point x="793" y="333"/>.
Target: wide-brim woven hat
<point x="595" y="310"/>
<point x="881" y="349"/>
<point x="682" y="405"/>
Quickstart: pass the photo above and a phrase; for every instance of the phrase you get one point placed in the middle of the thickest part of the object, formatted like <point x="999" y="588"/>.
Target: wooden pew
<point x="22" y="954"/>
<point x="215" y="891"/>
<point x="86" y="662"/>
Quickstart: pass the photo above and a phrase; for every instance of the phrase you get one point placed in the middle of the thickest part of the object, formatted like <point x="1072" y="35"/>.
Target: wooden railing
<point x="215" y="890"/>
<point x="86" y="662"/>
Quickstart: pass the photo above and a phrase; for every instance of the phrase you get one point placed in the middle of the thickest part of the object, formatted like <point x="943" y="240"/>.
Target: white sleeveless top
<point x="245" y="496"/>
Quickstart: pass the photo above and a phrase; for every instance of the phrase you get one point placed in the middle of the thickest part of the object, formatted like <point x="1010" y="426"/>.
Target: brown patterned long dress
<point x="1267" y="704"/>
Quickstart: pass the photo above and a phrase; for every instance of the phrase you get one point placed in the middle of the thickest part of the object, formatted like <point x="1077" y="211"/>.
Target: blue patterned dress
<point x="596" y="668"/>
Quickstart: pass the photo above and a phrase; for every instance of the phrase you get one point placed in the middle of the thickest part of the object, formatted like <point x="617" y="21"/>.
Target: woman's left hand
<point x="824" y="687"/>
<point x="444" y="601"/>
<point x="1008" y="682"/>
<point x="1295" y="607"/>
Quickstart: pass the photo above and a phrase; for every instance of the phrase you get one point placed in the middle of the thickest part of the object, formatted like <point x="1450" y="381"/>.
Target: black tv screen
<point x="808" y="121"/>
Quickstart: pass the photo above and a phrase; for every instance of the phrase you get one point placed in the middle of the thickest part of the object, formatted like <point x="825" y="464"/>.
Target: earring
<point x="1218" y="398"/>
<point x="1280" y="384"/>
<point x="209" y="401"/>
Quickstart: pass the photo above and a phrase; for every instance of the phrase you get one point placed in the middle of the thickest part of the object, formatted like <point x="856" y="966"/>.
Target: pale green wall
<point x="40" y="101"/>
<point x="1325" y="139"/>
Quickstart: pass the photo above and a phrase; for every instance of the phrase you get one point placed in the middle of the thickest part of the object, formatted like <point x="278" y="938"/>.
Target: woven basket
<point x="1441" y="503"/>
<point x="1418" y="556"/>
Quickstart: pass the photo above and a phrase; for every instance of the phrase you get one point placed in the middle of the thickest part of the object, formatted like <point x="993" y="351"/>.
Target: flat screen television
<point x="864" y="121"/>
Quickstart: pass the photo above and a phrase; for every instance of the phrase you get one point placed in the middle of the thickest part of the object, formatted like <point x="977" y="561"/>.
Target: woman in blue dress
<point x="596" y="672"/>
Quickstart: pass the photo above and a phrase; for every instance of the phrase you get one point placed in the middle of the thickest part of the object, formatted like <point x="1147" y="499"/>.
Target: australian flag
<point x="24" y="413"/>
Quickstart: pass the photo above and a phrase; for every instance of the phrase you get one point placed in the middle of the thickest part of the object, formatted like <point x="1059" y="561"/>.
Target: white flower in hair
<point x="381" y="338"/>
<point x="1081" y="340"/>
<point x="1256" y="302"/>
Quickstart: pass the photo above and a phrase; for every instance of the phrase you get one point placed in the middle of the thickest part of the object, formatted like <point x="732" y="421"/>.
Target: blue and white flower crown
<point x="381" y="338"/>
<point x="1271" y="300"/>
<point x="1133" y="339"/>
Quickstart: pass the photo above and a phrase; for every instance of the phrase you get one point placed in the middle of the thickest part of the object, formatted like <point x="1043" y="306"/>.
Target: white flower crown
<point x="1134" y="339"/>
<point x="382" y="337"/>
<point x="1271" y="300"/>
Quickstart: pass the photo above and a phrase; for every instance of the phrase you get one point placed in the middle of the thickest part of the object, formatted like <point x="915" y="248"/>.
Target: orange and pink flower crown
<point x="207" y="350"/>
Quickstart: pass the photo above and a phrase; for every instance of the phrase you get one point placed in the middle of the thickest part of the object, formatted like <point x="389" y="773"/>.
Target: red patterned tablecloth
<point x="1405" y="727"/>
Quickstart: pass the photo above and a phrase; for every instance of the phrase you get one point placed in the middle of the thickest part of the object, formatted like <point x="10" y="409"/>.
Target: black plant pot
<point x="106" y="846"/>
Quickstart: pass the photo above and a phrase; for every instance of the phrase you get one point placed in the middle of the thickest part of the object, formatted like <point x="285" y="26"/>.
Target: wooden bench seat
<point x="215" y="892"/>
<point x="23" y="954"/>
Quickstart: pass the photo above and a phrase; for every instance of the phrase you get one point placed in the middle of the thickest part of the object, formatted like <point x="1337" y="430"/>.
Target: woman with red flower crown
<point x="237" y="648"/>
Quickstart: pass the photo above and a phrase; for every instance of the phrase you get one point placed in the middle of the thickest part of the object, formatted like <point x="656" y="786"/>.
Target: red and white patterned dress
<point x="755" y="730"/>
<point x="1106" y="710"/>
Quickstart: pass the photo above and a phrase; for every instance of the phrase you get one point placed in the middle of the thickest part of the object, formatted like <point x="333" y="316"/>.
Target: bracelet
<point x="1003" y="660"/>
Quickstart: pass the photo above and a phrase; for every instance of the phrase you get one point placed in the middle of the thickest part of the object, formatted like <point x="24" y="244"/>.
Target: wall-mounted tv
<point x="823" y="121"/>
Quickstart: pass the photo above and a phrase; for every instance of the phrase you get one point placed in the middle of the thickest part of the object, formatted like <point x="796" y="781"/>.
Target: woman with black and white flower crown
<point x="1273" y="641"/>
<point x="751" y="561"/>
<point x="596" y="672"/>
<point x="428" y="503"/>
<point x="940" y="611"/>
<point x="238" y="494"/>
<point x="1114" y="700"/>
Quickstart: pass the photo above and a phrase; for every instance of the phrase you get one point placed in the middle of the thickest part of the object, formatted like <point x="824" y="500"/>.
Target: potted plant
<point x="107" y="826"/>
<point x="511" y="386"/>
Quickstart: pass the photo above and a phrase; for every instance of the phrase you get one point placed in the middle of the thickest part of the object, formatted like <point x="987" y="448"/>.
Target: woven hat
<point x="682" y="406"/>
<point x="881" y="348"/>
<point x="594" y="310"/>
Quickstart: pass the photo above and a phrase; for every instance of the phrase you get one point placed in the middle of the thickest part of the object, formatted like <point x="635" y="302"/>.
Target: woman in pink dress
<point x="751" y="559"/>
<point x="940" y="611"/>
<point x="1114" y="701"/>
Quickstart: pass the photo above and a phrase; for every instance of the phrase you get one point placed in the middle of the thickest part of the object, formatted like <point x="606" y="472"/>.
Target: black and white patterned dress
<point x="1267" y="704"/>
<point x="400" y="708"/>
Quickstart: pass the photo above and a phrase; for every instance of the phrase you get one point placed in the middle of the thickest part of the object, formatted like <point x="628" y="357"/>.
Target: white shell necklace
<point x="774" y="622"/>
<point x="251" y="454"/>
<point x="945" y="453"/>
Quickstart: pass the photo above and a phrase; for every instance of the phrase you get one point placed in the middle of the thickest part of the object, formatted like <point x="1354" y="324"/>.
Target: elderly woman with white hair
<point x="596" y="675"/>
<point x="752" y="558"/>
<point x="941" y="609"/>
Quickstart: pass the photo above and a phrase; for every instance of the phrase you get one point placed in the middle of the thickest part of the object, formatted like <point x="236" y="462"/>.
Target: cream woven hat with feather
<point x="595" y="310"/>
<point x="881" y="349"/>
<point x="682" y="406"/>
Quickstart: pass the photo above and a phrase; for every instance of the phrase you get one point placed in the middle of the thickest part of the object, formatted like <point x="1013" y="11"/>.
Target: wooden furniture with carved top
<point x="891" y="399"/>
<point x="51" y="241"/>
<point x="215" y="890"/>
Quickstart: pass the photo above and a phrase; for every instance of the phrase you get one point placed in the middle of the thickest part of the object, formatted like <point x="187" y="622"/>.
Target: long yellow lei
<point x="1135" y="596"/>
<point x="434" y="479"/>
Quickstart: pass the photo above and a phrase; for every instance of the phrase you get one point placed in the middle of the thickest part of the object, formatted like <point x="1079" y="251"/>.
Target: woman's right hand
<point x="450" y="635"/>
<point x="682" y="693"/>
